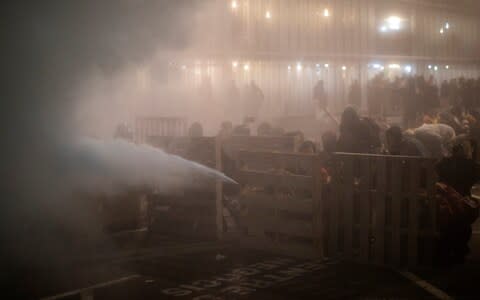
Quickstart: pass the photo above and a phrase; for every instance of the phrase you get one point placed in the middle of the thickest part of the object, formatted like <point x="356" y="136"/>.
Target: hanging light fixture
<point x="268" y="15"/>
<point x="326" y="12"/>
<point x="299" y="66"/>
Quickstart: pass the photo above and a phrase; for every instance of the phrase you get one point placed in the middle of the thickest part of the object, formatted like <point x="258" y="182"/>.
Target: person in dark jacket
<point x="320" y="96"/>
<point x="399" y="144"/>
<point x="356" y="135"/>
<point x="457" y="211"/>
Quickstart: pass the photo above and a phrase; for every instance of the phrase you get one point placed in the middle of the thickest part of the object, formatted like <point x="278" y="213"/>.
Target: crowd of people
<point x="415" y="96"/>
<point x="449" y="136"/>
<point x="441" y="123"/>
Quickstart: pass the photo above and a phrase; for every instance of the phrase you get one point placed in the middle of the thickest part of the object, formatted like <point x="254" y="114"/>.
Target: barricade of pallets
<point x="380" y="209"/>
<point x="158" y="126"/>
<point x="200" y="209"/>
<point x="371" y="208"/>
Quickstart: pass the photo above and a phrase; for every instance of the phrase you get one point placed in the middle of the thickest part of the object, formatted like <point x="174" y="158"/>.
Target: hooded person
<point x="356" y="135"/>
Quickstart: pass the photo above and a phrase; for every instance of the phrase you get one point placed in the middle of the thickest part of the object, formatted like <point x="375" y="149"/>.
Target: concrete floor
<point x="185" y="270"/>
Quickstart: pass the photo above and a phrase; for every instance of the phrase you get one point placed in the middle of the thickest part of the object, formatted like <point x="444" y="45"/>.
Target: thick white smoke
<point x="104" y="166"/>
<point x="49" y="48"/>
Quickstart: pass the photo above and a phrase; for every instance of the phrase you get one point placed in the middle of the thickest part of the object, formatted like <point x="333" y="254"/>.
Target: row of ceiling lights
<point x="392" y="23"/>
<point x="299" y="67"/>
<point x="268" y="14"/>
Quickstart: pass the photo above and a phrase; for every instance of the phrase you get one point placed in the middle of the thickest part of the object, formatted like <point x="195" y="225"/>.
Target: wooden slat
<point x="333" y="214"/>
<point x="318" y="206"/>
<point x="266" y="209"/>
<point x="259" y="143"/>
<point x="364" y="208"/>
<point x="258" y="200"/>
<point x="254" y="159"/>
<point x="218" y="189"/>
<point x="432" y="210"/>
<point x="277" y="224"/>
<point x="348" y="206"/>
<point x="431" y="180"/>
<point x="413" y="215"/>
<point x="203" y="220"/>
<point x="396" y="177"/>
<point x="380" y="210"/>
<point x="263" y="179"/>
<point x="403" y="231"/>
<point x="187" y="201"/>
<point x="276" y="213"/>
<point x="340" y="155"/>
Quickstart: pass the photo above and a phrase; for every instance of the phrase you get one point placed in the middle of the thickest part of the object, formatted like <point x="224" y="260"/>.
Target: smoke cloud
<point x="102" y="165"/>
<point x="50" y="52"/>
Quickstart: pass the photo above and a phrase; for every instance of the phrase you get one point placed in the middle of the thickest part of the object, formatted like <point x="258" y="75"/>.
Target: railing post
<point x="318" y="230"/>
<point x="379" y="231"/>
<point x="413" y="215"/>
<point x="218" y="189"/>
<point x="396" y="179"/>
<point x="432" y="208"/>
<point x="348" y="207"/>
<point x="333" y="209"/>
<point x="365" y="177"/>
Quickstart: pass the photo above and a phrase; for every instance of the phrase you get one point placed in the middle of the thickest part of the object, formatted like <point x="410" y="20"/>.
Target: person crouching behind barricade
<point x="398" y="143"/>
<point x="435" y="137"/>
<point x="457" y="210"/>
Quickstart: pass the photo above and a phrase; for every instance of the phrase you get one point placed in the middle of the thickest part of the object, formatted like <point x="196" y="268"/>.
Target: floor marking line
<point x="96" y="286"/>
<point x="425" y="285"/>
